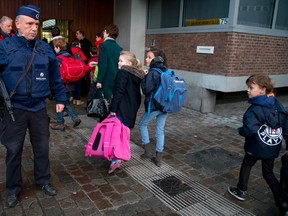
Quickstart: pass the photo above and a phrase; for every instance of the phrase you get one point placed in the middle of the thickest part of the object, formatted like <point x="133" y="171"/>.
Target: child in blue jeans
<point x="264" y="125"/>
<point x="155" y="58"/>
<point x="60" y="48"/>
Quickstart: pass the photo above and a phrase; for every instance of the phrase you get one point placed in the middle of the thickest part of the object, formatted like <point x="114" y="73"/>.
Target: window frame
<point x="231" y="26"/>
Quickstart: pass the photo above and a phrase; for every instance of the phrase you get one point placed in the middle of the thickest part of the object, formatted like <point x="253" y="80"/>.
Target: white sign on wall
<point x="205" y="49"/>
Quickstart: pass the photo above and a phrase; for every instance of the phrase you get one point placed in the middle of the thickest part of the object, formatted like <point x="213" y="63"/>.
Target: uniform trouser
<point x="13" y="137"/>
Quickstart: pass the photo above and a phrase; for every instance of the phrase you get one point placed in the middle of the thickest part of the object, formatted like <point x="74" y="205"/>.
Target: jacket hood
<point x="158" y="62"/>
<point x="263" y="100"/>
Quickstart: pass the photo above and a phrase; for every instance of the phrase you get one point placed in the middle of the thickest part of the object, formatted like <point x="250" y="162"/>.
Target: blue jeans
<point x="160" y="124"/>
<point x="69" y="109"/>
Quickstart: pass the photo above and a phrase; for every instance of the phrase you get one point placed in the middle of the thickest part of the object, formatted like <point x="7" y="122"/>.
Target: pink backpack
<point x="110" y="139"/>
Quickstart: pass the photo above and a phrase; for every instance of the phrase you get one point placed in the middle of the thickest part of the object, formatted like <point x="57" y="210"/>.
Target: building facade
<point x="213" y="44"/>
<point x="216" y="44"/>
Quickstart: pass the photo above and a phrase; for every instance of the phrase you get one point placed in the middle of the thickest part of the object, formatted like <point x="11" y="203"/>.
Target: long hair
<point x="157" y="52"/>
<point x="131" y="57"/>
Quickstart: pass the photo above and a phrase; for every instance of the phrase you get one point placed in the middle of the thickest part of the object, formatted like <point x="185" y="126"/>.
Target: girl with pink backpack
<point x="126" y="94"/>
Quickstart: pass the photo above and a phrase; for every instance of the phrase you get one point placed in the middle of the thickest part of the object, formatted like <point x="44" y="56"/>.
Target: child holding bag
<point x="126" y="93"/>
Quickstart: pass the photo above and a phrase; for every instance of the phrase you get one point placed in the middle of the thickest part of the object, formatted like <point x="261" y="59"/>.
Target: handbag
<point x="98" y="107"/>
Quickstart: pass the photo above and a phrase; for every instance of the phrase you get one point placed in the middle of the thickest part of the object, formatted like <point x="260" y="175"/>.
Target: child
<point x="77" y="53"/>
<point x="93" y="61"/>
<point x="262" y="128"/>
<point x="98" y="40"/>
<point x="155" y="59"/>
<point x="60" y="49"/>
<point x="126" y="93"/>
<point x="90" y="67"/>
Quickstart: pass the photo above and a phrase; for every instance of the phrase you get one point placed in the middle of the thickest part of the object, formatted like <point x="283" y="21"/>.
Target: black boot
<point x="158" y="159"/>
<point x="147" y="152"/>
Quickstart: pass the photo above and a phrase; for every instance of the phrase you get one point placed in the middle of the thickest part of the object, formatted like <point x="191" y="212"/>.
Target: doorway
<point x="47" y="25"/>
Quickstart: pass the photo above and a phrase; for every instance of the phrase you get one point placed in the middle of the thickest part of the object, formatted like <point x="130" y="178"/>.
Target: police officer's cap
<point x="29" y="10"/>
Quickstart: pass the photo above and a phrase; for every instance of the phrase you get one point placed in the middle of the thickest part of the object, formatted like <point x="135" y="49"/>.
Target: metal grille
<point x="198" y="200"/>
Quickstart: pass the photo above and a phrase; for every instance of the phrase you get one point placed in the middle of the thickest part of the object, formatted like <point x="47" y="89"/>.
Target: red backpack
<point x="71" y="69"/>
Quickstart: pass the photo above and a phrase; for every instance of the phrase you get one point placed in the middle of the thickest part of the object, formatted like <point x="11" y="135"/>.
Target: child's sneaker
<point x="114" y="165"/>
<point x="239" y="194"/>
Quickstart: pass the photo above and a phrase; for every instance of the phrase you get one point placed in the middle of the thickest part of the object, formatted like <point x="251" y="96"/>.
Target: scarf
<point x="135" y="71"/>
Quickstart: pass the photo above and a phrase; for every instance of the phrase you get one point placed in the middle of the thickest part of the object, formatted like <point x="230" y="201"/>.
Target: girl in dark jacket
<point x="155" y="58"/>
<point x="264" y="125"/>
<point x="126" y="93"/>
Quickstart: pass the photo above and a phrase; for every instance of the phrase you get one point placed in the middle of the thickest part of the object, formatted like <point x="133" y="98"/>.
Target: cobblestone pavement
<point x="204" y="147"/>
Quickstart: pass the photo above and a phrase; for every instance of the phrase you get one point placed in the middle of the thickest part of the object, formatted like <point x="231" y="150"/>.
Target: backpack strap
<point x="157" y="69"/>
<point x="107" y="139"/>
<point x="88" y="147"/>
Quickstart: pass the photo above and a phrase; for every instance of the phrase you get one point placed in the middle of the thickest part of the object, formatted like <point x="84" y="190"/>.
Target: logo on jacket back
<point x="270" y="136"/>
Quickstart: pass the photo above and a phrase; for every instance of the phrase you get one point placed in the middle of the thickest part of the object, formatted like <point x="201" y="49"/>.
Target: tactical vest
<point x="36" y="84"/>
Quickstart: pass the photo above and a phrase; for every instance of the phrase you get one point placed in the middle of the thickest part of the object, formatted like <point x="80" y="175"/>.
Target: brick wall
<point x="235" y="54"/>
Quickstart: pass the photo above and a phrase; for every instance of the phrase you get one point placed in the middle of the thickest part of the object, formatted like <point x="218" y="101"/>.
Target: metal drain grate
<point x="172" y="185"/>
<point x="198" y="200"/>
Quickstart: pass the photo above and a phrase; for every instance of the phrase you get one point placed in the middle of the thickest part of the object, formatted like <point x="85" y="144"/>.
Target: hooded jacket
<point x="264" y="126"/>
<point x="151" y="82"/>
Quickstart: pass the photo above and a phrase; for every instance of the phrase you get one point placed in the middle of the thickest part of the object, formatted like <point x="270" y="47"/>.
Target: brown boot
<point x="60" y="127"/>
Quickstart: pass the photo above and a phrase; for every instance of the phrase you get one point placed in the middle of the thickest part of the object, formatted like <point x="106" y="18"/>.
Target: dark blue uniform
<point x="29" y="106"/>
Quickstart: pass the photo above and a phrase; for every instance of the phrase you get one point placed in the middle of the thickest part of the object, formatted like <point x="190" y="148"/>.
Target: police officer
<point x="28" y="93"/>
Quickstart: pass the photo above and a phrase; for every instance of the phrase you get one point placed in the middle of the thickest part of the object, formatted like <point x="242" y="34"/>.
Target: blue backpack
<point x="171" y="93"/>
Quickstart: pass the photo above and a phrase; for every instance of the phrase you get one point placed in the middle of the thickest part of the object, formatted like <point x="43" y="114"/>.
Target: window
<point x="163" y="13"/>
<point x="205" y="12"/>
<point x="282" y="15"/>
<point x="267" y="17"/>
<point x="258" y="13"/>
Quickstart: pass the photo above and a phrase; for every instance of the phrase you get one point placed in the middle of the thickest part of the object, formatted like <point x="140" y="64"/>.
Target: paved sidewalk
<point x="203" y="154"/>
